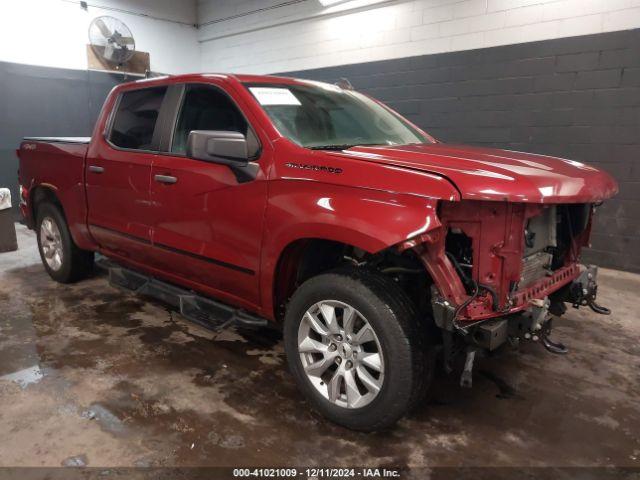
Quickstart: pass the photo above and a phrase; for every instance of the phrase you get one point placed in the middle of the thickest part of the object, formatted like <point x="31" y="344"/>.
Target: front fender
<point x="368" y="219"/>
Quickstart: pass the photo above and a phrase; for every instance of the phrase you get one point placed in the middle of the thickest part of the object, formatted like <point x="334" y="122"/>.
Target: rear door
<point x="207" y="222"/>
<point x="118" y="174"/>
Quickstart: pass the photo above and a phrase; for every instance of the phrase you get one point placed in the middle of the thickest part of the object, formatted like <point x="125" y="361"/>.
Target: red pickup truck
<point x="318" y="208"/>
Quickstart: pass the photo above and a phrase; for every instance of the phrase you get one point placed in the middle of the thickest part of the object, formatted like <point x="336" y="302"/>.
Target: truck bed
<point x="57" y="164"/>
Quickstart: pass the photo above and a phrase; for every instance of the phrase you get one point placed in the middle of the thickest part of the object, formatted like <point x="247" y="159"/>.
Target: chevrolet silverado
<point x="370" y="243"/>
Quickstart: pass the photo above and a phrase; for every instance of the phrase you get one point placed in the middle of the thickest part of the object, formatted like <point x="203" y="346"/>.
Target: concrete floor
<point x="92" y="374"/>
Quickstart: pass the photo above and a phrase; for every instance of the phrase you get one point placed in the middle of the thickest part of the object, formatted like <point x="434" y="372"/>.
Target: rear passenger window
<point x="136" y="118"/>
<point x="206" y="108"/>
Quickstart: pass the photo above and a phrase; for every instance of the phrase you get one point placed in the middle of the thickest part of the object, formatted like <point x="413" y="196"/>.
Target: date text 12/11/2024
<point x="316" y="472"/>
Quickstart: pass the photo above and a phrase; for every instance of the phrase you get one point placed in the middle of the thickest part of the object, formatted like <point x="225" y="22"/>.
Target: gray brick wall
<point x="575" y="97"/>
<point x="43" y="101"/>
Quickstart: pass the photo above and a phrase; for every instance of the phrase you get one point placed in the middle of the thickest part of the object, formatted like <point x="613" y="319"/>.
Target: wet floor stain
<point x="92" y="374"/>
<point x="506" y="391"/>
<point x="25" y="377"/>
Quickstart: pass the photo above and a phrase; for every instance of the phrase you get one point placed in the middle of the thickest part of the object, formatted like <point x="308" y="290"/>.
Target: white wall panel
<point x="54" y="33"/>
<point x="307" y="35"/>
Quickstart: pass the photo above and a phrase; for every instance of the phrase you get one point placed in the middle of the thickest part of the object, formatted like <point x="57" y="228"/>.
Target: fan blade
<point x="103" y="28"/>
<point x="122" y="41"/>
<point x="109" y="52"/>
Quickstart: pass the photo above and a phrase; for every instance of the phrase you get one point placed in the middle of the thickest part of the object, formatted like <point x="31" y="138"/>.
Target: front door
<point x="207" y="222"/>
<point x="118" y="175"/>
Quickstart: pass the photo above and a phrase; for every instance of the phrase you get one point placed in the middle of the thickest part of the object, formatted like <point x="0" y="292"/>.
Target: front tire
<point x="355" y="348"/>
<point x="61" y="257"/>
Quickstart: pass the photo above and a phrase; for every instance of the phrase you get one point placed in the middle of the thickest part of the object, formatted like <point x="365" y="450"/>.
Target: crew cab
<point x="370" y="243"/>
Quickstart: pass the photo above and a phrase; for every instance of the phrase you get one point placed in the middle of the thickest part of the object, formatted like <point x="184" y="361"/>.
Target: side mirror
<point x="227" y="148"/>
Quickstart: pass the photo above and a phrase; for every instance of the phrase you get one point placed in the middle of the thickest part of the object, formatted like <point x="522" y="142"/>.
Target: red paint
<point x="492" y="174"/>
<point x="119" y="200"/>
<point x="58" y="167"/>
<point x="382" y="197"/>
<point x="498" y="247"/>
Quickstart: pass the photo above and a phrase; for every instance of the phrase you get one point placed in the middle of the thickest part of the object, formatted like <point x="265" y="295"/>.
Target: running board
<point x="206" y="312"/>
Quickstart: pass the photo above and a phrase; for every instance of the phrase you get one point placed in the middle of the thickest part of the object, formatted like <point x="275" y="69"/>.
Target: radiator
<point x="534" y="267"/>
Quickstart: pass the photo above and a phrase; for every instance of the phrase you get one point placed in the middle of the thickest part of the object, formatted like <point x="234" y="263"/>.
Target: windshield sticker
<point x="274" y="96"/>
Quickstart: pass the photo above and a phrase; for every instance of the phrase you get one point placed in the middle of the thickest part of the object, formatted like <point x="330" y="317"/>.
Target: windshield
<point x="323" y="116"/>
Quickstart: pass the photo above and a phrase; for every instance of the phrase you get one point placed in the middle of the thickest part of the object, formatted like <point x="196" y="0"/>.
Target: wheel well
<point x="306" y="258"/>
<point x="300" y="261"/>
<point x="41" y="195"/>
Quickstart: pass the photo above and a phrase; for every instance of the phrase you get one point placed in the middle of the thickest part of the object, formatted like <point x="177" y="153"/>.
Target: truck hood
<point x="498" y="175"/>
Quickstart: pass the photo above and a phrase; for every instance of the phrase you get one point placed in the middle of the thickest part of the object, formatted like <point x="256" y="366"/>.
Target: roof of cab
<point x="242" y="78"/>
<point x="266" y="79"/>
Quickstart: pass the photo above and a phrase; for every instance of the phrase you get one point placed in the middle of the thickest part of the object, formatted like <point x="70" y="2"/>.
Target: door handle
<point x="168" y="179"/>
<point x="96" y="169"/>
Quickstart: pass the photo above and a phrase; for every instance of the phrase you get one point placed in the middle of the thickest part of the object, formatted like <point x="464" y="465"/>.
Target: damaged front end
<point x="502" y="271"/>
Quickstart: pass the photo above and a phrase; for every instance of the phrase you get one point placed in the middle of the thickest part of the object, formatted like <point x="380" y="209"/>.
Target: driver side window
<point x="205" y="108"/>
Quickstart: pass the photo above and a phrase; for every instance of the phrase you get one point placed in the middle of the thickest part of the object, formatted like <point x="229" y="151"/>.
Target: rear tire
<point x="61" y="257"/>
<point x="363" y="385"/>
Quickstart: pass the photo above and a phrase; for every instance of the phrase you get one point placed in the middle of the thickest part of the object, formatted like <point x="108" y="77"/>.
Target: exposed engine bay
<point x="496" y="274"/>
<point x="518" y="265"/>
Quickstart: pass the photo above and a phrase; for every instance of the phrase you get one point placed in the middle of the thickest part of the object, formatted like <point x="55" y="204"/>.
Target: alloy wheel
<point x="51" y="242"/>
<point x="341" y="354"/>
